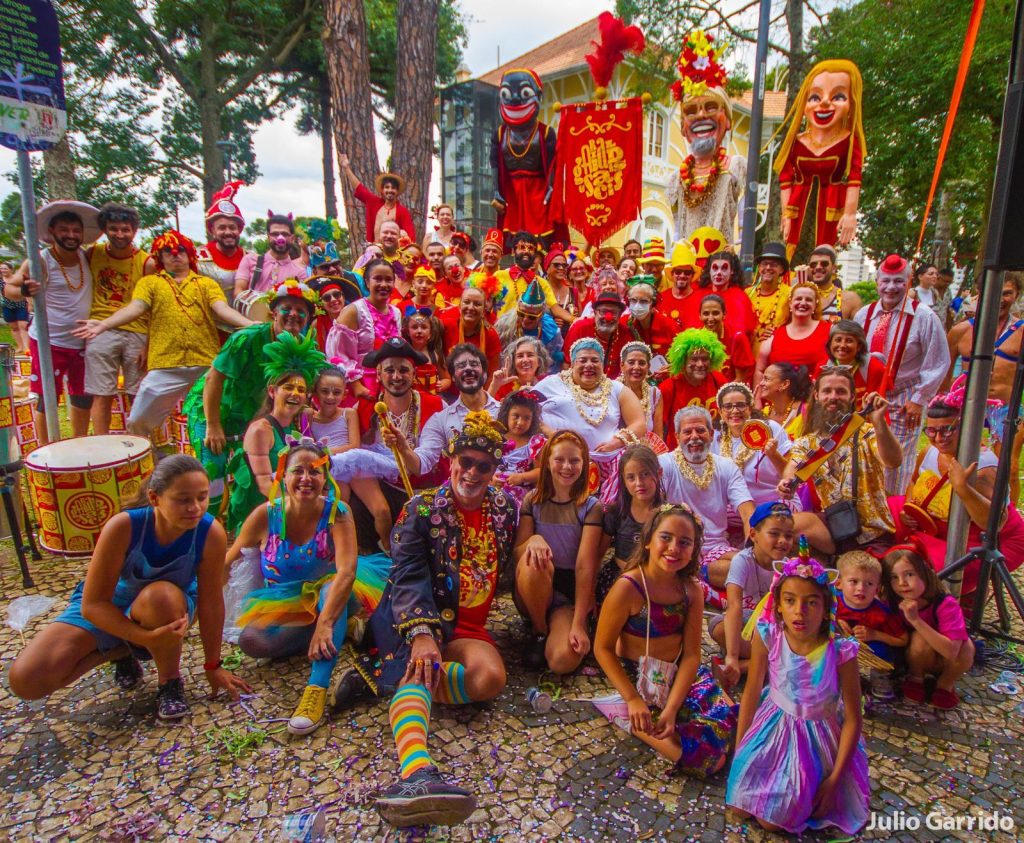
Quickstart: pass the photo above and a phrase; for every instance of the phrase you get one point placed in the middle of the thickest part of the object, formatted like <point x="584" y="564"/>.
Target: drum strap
<point x="934" y="491"/>
<point x="257" y="273"/>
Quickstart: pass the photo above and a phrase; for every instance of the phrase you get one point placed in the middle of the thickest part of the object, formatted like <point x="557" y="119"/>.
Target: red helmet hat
<point x="224" y="204"/>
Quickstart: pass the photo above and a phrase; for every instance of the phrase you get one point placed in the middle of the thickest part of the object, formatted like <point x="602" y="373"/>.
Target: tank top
<point x="66" y="305"/>
<point x="335" y="432"/>
<point x="561" y="526"/>
<point x="113" y="282"/>
<point x="810" y="351"/>
<point x="284" y="561"/>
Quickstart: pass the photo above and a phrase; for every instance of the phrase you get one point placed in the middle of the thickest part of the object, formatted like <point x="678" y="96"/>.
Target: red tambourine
<point x="755" y="434"/>
<point x="925" y="522"/>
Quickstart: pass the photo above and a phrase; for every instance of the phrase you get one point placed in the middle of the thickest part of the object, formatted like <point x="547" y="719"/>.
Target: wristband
<point x="210" y="666"/>
<point x="420" y="629"/>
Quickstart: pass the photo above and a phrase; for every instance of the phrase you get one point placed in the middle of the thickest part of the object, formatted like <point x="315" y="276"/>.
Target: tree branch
<point x="167" y="57"/>
<point x="274" y="56"/>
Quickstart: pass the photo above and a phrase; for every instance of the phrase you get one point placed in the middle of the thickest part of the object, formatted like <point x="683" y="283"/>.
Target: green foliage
<point x="908" y="52"/>
<point x="867" y="291"/>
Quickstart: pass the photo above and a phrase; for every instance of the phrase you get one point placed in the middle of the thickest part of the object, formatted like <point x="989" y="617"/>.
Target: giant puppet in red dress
<point x="826" y="157"/>
<point x="523" y="160"/>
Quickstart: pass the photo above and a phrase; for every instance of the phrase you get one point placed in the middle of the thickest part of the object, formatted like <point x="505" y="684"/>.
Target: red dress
<point x="800" y="172"/>
<point x="658" y="335"/>
<point x="677" y="392"/>
<point x="811" y="351"/>
<point x="739" y="312"/>
<point x="738" y="355"/>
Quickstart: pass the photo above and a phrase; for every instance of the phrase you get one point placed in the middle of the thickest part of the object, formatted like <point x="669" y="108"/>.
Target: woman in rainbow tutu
<point x="304" y="544"/>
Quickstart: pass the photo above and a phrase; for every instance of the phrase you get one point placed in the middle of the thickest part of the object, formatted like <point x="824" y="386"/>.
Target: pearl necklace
<point x="591" y="398"/>
<point x="644" y="396"/>
<point x="741" y="456"/>
<point x="701" y="481"/>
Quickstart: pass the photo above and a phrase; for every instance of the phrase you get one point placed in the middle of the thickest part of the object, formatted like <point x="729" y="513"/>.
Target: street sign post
<point x="32" y="118"/>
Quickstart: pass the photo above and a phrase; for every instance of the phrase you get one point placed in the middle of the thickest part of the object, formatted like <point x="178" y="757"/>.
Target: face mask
<point x="639" y="309"/>
<point x="281" y="241"/>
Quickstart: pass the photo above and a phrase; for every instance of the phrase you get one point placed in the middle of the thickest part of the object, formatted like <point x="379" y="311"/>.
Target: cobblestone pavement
<point x="91" y="763"/>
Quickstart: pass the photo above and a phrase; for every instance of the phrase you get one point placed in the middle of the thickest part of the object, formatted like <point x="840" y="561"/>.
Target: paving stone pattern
<point x="91" y="763"/>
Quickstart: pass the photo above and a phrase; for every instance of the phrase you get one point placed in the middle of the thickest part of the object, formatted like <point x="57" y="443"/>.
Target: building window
<point x="655" y="134"/>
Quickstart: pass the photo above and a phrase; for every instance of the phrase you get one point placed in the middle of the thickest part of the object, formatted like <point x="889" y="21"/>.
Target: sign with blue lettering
<point x="32" y="109"/>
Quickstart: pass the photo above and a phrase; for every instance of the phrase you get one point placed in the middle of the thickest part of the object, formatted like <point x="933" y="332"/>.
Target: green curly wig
<point x="689" y="340"/>
<point x="289" y="354"/>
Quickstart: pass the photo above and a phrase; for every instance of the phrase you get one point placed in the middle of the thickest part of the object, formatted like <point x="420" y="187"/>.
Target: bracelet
<point x="419" y="629"/>
<point x="210" y="666"/>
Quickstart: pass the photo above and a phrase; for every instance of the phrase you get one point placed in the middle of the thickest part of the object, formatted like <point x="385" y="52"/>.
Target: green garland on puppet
<point x="693" y="339"/>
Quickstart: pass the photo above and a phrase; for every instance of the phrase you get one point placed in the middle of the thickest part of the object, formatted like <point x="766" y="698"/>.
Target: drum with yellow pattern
<point x="77" y="485"/>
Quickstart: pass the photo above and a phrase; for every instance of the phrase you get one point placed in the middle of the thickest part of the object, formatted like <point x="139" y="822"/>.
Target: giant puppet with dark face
<point x="710" y="181"/>
<point x="523" y="159"/>
<point x="823" y="145"/>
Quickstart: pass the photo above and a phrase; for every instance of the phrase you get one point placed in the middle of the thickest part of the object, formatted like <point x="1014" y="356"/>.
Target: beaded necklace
<point x="479" y="552"/>
<point x="581" y="397"/>
<point x="644" y="396"/>
<point x="697" y="190"/>
<point x="408" y="423"/>
<point x="701" y="481"/>
<point x="67" y="278"/>
<point x="183" y="304"/>
<point x="741" y="456"/>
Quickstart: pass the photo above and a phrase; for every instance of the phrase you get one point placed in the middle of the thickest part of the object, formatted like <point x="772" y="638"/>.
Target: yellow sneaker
<point x="310" y="713"/>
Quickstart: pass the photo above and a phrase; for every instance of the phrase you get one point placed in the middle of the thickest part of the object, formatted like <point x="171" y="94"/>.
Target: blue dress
<point x="793" y="739"/>
<point x="147" y="561"/>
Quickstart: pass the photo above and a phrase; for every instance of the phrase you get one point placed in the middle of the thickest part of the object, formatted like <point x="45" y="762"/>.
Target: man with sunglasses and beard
<point x="834" y="303"/>
<point x="428" y="640"/>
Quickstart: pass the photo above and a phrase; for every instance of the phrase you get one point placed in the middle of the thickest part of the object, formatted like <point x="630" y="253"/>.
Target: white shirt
<point x="759" y="472"/>
<point x="727" y="487"/>
<point x="926" y="357"/>
<point x="559" y="411"/>
<point x="440" y="427"/>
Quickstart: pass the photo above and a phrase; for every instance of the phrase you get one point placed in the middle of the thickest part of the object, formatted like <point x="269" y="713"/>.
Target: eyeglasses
<point x="118" y="216"/>
<point x="330" y="296"/>
<point x="738" y="405"/>
<point x="482" y="466"/>
<point x="944" y="431"/>
<point x="472" y="363"/>
<point x="682" y="271"/>
<point x="813" y="264"/>
<point x="558" y="265"/>
<point x="525" y="314"/>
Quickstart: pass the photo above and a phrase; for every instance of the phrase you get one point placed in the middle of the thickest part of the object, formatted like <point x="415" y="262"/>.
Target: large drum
<point x="252" y="304"/>
<point x="77" y="485"/>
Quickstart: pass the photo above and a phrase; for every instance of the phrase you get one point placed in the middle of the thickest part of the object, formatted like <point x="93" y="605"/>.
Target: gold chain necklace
<point x="741" y="456"/>
<point x="590" y="398"/>
<point x="701" y="481"/>
<point x="526" y="146"/>
<point x="67" y="278"/>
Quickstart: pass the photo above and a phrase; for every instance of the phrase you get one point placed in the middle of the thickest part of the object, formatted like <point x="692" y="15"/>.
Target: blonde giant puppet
<point x="823" y="153"/>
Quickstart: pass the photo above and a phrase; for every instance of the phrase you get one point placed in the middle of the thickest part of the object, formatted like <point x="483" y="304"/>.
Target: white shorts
<point x="112" y="352"/>
<point x="159" y="394"/>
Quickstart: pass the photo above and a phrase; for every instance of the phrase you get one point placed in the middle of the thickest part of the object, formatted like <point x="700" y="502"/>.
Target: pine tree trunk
<point x="209" y="113"/>
<point x="412" y="149"/>
<point x="59" y="167"/>
<point x="348" y="72"/>
<point x="327" y="142"/>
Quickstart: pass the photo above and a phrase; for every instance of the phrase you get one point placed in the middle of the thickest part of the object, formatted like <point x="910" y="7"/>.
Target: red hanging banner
<point x="600" y="166"/>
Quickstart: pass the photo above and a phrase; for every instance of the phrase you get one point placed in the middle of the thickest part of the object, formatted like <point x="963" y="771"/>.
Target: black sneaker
<point x="533" y="652"/>
<point x="425" y="798"/>
<point x="170" y="700"/>
<point x="348" y="688"/>
<point x="127" y="673"/>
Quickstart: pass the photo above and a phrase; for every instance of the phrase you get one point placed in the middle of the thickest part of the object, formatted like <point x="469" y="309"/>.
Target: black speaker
<point x="1004" y="247"/>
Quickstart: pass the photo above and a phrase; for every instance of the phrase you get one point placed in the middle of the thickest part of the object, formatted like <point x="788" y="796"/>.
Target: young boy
<point x="862" y="615"/>
<point x="750" y="578"/>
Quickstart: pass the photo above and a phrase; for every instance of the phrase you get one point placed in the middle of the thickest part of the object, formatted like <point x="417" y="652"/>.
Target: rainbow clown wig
<point x="693" y="339"/>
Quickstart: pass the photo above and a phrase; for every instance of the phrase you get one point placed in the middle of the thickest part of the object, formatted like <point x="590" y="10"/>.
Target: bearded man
<point x="382" y="205"/>
<point x="834" y="303"/>
<point x="263" y="272"/>
<point x="220" y="258"/>
<point x="604" y="326"/>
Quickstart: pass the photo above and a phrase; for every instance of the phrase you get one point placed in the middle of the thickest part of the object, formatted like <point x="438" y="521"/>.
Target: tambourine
<point x="755" y="434"/>
<point x="925" y="522"/>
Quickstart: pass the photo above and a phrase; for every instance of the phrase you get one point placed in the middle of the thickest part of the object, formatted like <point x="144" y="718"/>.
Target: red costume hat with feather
<point x="224" y="204"/>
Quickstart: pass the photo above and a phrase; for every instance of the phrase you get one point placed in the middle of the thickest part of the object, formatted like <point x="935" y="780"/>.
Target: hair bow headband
<point x="411" y="310"/>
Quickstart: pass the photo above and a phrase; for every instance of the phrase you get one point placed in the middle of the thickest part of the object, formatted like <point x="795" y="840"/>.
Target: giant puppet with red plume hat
<point x="707" y="191"/>
<point x="220" y="257"/>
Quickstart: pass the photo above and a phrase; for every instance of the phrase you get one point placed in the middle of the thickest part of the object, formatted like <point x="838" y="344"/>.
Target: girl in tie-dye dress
<point x="800" y="760"/>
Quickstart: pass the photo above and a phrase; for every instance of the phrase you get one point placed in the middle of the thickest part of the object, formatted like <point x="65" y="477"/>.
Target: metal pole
<point x="984" y="332"/>
<point x="28" y="215"/>
<point x="754" y="144"/>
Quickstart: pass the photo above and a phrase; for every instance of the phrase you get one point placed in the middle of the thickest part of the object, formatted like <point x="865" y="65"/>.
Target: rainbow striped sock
<point x="410" y="715"/>
<point x="451" y="686"/>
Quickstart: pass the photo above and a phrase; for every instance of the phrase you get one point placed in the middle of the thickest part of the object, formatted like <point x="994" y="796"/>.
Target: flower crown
<point x="294" y="287"/>
<point x="698" y="66"/>
<point x="479" y="432"/>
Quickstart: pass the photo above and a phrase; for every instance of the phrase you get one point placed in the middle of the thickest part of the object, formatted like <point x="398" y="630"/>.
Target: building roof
<point x="567" y="51"/>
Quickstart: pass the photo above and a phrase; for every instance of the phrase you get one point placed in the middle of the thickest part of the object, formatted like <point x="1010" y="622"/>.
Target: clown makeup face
<point x="380" y="284"/>
<point x="698" y="364"/>
<point x="636" y="367"/>
<point x="225" y="232"/>
<point x="891" y="289"/>
<point x="471" y="472"/>
<point x="490" y="256"/>
<point x="291" y="314"/>
<point x="396" y="376"/>
<point x="705" y="123"/>
<point x="175" y="261"/>
<point x="280" y="238"/>
<point x="435" y="257"/>
<point x="472" y="306"/>
<point x="694" y="439"/>
<point x="606" y="319"/>
<point x="303" y="479"/>
<point x="721" y="274"/>
<point x="682" y="278"/>
<point x="519" y="97"/>
<point x="586" y="368"/>
<point x="828" y="102"/>
<point x="844" y="348"/>
<point x="453" y="269"/>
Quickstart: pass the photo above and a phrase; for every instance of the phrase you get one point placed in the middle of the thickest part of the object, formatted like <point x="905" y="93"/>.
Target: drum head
<point x="88" y="452"/>
<point x="925" y="523"/>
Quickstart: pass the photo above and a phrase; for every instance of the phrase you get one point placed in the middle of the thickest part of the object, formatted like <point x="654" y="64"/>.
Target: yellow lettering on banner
<point x="597" y="171"/>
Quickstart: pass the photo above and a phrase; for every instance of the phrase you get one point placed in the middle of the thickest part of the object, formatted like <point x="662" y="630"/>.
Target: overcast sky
<point x="291" y="175"/>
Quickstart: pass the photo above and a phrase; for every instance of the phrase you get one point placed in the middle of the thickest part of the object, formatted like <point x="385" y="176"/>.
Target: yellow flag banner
<point x="599" y="166"/>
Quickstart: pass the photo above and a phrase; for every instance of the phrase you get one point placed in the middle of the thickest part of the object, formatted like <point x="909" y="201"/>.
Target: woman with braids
<point x="309" y="568"/>
<point x="156" y="567"/>
<point x="291" y="367"/>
